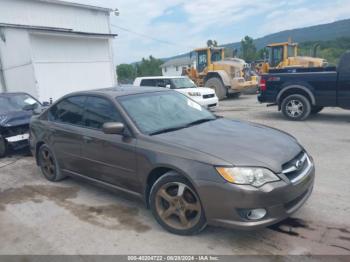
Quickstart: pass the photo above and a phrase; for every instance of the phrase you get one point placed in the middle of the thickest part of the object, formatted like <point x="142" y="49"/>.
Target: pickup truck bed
<point x="299" y="92"/>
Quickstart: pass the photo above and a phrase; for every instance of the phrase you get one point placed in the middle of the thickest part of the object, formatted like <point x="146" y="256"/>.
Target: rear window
<point x="148" y="82"/>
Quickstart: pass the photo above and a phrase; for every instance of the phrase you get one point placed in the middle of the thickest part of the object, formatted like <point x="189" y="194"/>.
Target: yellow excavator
<point x="284" y="55"/>
<point x="228" y="76"/>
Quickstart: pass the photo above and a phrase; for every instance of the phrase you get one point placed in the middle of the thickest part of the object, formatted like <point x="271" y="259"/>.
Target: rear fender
<point x="298" y="87"/>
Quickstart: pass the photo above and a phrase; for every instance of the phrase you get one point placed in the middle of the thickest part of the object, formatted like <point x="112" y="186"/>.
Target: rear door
<point x="108" y="158"/>
<point x="344" y="82"/>
<point x="66" y="119"/>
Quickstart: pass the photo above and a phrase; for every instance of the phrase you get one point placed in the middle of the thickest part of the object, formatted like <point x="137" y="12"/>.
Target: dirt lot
<point x="72" y="217"/>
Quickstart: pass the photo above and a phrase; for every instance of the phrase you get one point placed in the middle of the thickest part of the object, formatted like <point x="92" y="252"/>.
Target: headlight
<point x="194" y="94"/>
<point x="247" y="175"/>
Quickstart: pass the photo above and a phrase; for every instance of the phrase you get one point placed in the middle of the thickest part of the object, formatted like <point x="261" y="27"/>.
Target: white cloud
<point x="306" y="16"/>
<point x="206" y="19"/>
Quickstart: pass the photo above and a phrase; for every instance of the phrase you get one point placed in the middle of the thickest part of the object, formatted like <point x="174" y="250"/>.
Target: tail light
<point x="262" y="84"/>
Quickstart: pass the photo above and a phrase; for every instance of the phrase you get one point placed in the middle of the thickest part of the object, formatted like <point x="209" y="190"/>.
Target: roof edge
<point x="74" y="4"/>
<point x="55" y="30"/>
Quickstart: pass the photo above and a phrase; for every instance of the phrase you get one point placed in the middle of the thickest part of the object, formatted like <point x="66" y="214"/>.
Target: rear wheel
<point x="316" y="109"/>
<point x="217" y="85"/>
<point x="296" y="107"/>
<point x="49" y="165"/>
<point x="3" y="146"/>
<point x="176" y="206"/>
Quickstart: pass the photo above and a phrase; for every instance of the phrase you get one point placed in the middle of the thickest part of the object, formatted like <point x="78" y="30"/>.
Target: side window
<point x="69" y="111"/>
<point x="148" y="82"/>
<point x="99" y="111"/>
<point x="163" y="82"/>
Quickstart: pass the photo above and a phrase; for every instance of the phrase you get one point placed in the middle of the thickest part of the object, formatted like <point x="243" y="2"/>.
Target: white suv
<point x="202" y="95"/>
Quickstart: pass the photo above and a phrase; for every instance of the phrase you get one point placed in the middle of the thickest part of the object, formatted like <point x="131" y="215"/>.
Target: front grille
<point x="208" y="96"/>
<point x="15" y="130"/>
<point x="297" y="168"/>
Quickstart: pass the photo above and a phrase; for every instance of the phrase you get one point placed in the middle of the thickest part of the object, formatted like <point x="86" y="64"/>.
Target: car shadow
<point x="319" y="118"/>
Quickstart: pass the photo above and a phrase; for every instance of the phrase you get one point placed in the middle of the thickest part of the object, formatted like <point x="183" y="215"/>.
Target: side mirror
<point x="31" y="107"/>
<point x="113" y="128"/>
<point x="46" y="104"/>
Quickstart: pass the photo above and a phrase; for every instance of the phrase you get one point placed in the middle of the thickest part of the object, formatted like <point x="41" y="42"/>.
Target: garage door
<point x="65" y="64"/>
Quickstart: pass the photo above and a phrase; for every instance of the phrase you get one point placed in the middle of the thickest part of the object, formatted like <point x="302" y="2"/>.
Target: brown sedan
<point x="189" y="166"/>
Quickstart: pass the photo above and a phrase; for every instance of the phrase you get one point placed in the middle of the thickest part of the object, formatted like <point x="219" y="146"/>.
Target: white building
<point x="174" y="67"/>
<point x="49" y="48"/>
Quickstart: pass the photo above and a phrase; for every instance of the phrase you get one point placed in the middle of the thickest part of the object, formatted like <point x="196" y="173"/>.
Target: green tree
<point x="248" y="49"/>
<point x="212" y="43"/>
<point x="149" y="67"/>
<point x="126" y="73"/>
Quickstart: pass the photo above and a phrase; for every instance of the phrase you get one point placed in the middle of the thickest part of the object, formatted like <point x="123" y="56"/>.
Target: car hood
<point x="15" y="118"/>
<point x="201" y="90"/>
<point x="238" y="143"/>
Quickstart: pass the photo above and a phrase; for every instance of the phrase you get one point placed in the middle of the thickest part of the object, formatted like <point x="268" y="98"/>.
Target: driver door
<point x="107" y="157"/>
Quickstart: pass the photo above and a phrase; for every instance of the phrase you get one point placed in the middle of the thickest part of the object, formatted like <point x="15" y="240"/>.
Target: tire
<point x="217" y="85"/>
<point x="3" y="147"/>
<point x="179" y="214"/>
<point x="49" y="164"/>
<point x="296" y="107"/>
<point x="316" y="109"/>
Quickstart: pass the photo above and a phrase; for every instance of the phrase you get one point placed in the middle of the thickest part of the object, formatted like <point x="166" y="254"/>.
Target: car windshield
<point x="183" y="83"/>
<point x="16" y="102"/>
<point x="161" y="112"/>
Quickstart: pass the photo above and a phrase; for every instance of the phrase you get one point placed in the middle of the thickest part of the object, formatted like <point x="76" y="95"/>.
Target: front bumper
<point x="238" y="85"/>
<point x="222" y="202"/>
<point x="210" y="103"/>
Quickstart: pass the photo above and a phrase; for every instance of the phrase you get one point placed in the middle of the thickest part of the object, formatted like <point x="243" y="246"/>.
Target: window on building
<point x="177" y="68"/>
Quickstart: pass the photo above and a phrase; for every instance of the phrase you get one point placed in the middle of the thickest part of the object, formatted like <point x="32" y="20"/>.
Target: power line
<point x="149" y="37"/>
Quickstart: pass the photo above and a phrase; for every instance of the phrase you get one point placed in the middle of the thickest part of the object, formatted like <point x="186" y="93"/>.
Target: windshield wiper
<point x="165" y="130"/>
<point x="200" y="121"/>
<point x="170" y="129"/>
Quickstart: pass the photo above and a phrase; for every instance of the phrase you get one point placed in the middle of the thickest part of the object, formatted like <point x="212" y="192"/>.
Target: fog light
<point x="253" y="214"/>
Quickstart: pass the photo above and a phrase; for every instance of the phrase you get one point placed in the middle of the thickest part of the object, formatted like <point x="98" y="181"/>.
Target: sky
<point x="165" y="28"/>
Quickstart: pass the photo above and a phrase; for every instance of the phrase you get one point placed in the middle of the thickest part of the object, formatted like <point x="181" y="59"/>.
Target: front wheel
<point x="217" y="85"/>
<point x="296" y="107"/>
<point x="176" y="205"/>
<point x="3" y="147"/>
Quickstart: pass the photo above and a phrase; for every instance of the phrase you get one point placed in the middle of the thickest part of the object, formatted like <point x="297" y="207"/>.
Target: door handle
<point x="87" y="139"/>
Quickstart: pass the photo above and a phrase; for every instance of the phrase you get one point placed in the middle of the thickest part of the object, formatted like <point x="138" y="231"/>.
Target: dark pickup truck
<point x="299" y="92"/>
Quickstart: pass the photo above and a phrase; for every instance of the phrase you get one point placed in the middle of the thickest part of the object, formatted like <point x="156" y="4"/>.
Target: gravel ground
<point x="73" y="217"/>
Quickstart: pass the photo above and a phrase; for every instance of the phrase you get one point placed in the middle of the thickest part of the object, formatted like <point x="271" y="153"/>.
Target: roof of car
<point x="122" y="91"/>
<point x="161" y="77"/>
<point x="13" y="93"/>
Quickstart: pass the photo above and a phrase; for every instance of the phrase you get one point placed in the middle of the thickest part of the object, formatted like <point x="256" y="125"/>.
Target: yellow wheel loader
<point x="284" y="55"/>
<point x="228" y="76"/>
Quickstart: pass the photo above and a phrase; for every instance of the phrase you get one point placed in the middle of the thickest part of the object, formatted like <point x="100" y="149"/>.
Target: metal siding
<point x="17" y="63"/>
<point x="66" y="64"/>
<point x="38" y="13"/>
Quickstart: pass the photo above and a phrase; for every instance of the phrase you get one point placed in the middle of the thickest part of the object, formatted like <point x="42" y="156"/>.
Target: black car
<point x="299" y="92"/>
<point x="16" y="109"/>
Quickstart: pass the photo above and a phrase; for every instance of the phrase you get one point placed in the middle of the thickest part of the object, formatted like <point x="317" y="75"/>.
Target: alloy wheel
<point x="47" y="163"/>
<point x="294" y="108"/>
<point x="178" y="206"/>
